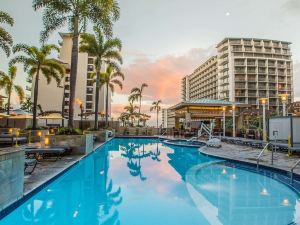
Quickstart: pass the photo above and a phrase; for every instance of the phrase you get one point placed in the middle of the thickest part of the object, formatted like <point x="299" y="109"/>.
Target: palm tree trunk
<point x="139" y="111"/>
<point x="8" y="107"/>
<point x="35" y="98"/>
<point x="106" y="106"/>
<point x="157" y="119"/>
<point x="63" y="108"/>
<point x="73" y="73"/>
<point x="96" y="126"/>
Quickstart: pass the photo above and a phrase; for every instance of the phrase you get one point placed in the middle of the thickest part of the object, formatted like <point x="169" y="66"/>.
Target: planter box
<point x="11" y="176"/>
<point x="80" y="144"/>
<point x="101" y="135"/>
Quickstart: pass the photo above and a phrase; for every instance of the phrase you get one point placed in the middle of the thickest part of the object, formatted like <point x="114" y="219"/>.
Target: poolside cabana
<point x="190" y="114"/>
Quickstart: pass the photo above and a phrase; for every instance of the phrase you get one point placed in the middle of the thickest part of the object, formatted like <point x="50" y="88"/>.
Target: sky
<point x="165" y="40"/>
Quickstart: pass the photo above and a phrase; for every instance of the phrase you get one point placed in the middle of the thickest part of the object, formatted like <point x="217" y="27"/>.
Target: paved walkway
<point x="46" y="170"/>
<point x="248" y="154"/>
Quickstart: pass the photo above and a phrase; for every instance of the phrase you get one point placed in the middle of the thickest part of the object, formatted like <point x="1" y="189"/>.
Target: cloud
<point x="163" y="75"/>
<point x="292" y="6"/>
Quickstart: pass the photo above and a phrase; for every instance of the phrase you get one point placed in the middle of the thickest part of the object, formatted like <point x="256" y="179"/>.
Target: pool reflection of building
<point x="135" y="152"/>
<point x="88" y="199"/>
<point x="252" y="200"/>
<point x="182" y="159"/>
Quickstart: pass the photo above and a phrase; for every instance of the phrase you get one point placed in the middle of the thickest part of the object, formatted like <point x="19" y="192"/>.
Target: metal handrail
<point x="260" y="154"/>
<point x="292" y="170"/>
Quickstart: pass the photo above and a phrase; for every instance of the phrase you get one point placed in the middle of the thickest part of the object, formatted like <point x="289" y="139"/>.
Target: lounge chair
<point x="7" y="138"/>
<point x="30" y="163"/>
<point x="45" y="152"/>
<point x="214" y="142"/>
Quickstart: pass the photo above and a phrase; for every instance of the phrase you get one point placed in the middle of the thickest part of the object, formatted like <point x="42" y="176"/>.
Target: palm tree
<point x="136" y="95"/>
<point x="105" y="52"/>
<point x="6" y="40"/>
<point x="131" y="110"/>
<point x="76" y="13"/>
<point x="37" y="63"/>
<point x="7" y="82"/>
<point x="157" y="107"/>
<point x="110" y="79"/>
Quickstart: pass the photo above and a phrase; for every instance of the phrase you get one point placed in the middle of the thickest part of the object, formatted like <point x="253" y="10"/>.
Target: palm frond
<point x="20" y="92"/>
<point x="6" y="18"/>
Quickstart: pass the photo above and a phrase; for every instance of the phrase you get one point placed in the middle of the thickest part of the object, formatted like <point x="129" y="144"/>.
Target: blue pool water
<point x="143" y="182"/>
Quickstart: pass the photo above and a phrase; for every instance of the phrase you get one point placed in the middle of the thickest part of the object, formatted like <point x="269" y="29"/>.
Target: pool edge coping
<point x="27" y="195"/>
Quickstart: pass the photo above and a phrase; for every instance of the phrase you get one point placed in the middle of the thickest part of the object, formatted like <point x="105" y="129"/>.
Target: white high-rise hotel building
<point x="53" y="98"/>
<point x="244" y="70"/>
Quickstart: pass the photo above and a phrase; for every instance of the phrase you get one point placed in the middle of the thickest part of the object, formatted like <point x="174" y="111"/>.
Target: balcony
<point x="272" y="87"/>
<point x="251" y="86"/>
<point x="239" y="71"/>
<point x="262" y="87"/>
<point x="252" y="94"/>
<point x="251" y="71"/>
<point x="262" y="79"/>
<point x="240" y="86"/>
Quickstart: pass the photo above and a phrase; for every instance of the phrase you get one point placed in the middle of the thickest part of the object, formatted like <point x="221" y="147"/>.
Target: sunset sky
<point x="164" y="40"/>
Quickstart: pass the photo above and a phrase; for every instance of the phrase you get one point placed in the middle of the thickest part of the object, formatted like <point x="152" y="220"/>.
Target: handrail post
<point x="292" y="170"/>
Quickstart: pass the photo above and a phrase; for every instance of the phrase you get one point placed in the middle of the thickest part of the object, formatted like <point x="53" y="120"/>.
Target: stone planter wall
<point x="101" y="135"/>
<point x="80" y="144"/>
<point x="11" y="176"/>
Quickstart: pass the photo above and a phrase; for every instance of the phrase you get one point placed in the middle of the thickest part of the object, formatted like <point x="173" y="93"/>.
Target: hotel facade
<point x="56" y="98"/>
<point x="244" y="70"/>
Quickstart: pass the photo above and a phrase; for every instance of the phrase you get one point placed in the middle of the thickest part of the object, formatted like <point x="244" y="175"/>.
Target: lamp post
<point x="233" y="121"/>
<point x="81" y="116"/>
<point x="224" y="118"/>
<point x="264" y="102"/>
<point x="284" y="101"/>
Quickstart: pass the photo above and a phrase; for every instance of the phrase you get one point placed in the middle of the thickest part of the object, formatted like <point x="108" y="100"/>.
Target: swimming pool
<point x="144" y="182"/>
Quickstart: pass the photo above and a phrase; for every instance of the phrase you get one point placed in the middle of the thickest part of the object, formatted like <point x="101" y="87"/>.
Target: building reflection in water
<point x="135" y="152"/>
<point x="85" y="195"/>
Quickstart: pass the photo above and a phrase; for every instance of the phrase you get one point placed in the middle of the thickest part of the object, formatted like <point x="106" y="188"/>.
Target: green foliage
<point x="6" y="40"/>
<point x="7" y="82"/>
<point x="36" y="62"/>
<point x="76" y="13"/>
<point x="68" y="131"/>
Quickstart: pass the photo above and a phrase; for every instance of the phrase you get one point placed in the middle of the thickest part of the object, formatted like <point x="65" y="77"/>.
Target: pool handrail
<point x="260" y="154"/>
<point x="292" y="170"/>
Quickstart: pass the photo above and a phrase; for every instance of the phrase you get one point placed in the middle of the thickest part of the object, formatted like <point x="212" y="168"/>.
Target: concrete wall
<point x="11" y="176"/>
<point x="81" y="144"/>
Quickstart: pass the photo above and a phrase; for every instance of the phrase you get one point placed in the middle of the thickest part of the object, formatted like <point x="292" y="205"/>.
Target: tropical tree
<point x="109" y="79"/>
<point x="136" y="95"/>
<point x="37" y="63"/>
<point x="156" y="106"/>
<point x="7" y="82"/>
<point x="131" y="110"/>
<point x="76" y="13"/>
<point x="105" y="52"/>
<point x="27" y="105"/>
<point x="6" y="40"/>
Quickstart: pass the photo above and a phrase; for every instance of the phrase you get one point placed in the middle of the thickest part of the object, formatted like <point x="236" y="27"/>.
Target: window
<point x="90" y="83"/>
<point x="89" y="105"/>
<point x="89" y="90"/>
<point x="90" y="61"/>
<point x="90" y="68"/>
<point x="89" y="98"/>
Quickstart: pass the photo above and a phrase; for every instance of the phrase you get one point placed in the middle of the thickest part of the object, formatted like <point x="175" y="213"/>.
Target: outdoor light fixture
<point x="285" y="202"/>
<point x="224" y="171"/>
<point x="10" y="130"/>
<point x="284" y="99"/>
<point x="264" y="103"/>
<point x="264" y="192"/>
<point x="46" y="141"/>
<point x="39" y="133"/>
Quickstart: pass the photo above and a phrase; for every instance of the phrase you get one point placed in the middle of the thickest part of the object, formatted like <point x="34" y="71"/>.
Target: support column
<point x="233" y="121"/>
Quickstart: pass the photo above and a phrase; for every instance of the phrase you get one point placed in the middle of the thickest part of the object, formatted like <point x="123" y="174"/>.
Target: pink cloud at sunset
<point x="163" y="75"/>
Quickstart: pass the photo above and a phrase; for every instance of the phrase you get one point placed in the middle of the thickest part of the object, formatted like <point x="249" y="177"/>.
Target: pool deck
<point x="248" y="154"/>
<point x="46" y="170"/>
